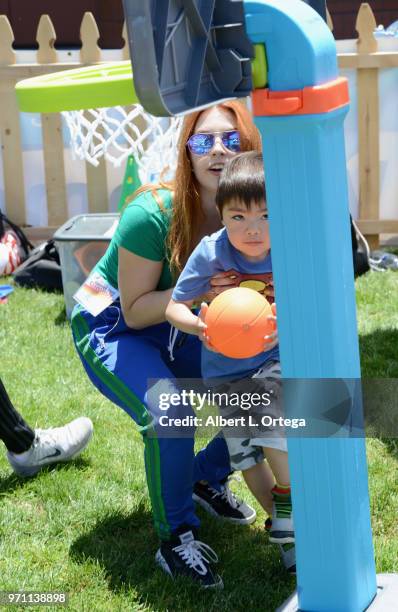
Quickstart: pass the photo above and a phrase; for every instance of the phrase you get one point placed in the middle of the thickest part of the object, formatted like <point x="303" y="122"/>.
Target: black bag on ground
<point x="41" y="269"/>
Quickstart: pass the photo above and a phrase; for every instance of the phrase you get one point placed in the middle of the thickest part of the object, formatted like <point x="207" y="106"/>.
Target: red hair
<point x="187" y="210"/>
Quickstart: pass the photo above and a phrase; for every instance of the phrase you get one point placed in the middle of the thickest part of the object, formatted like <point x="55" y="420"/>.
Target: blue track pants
<point x="119" y="361"/>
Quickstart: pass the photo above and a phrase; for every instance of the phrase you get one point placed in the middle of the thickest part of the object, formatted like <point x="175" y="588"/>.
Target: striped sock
<point x="282" y="501"/>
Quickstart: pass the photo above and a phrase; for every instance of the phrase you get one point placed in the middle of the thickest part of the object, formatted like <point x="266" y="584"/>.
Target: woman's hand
<point x="271" y="340"/>
<point x="202" y="328"/>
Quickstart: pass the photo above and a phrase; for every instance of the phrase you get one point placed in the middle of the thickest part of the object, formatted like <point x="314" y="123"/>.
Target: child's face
<point x="247" y="228"/>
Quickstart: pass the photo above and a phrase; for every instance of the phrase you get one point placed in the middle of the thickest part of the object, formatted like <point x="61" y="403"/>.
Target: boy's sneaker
<point x="223" y="504"/>
<point x="185" y="555"/>
<point x="53" y="445"/>
<point x="288" y="551"/>
<point x="282" y="529"/>
<point x="288" y="554"/>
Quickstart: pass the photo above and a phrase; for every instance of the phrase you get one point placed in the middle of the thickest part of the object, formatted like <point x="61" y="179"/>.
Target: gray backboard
<point x="187" y="54"/>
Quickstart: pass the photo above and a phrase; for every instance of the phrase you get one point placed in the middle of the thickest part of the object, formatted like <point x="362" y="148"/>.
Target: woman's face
<point x="207" y="168"/>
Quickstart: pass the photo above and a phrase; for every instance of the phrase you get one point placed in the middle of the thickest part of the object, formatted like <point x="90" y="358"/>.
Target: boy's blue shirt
<point x="216" y="254"/>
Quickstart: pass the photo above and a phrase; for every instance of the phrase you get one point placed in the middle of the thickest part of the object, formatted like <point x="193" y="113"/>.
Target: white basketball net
<point x="117" y="132"/>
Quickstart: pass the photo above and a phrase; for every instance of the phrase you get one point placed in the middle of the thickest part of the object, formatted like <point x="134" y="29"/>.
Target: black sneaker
<point x="184" y="555"/>
<point x="223" y="504"/>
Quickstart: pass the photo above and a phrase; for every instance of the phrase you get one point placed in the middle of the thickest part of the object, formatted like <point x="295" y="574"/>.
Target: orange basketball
<point x="237" y="322"/>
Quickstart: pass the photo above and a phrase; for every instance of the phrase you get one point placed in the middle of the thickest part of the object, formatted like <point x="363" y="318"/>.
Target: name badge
<point x="96" y="294"/>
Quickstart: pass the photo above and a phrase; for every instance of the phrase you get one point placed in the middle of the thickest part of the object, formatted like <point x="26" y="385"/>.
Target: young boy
<point x="242" y="248"/>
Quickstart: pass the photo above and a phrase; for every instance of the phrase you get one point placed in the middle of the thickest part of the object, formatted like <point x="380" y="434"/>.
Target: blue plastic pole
<point x="306" y="186"/>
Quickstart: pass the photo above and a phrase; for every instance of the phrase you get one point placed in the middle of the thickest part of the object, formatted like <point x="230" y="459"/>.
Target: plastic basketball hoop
<point x="103" y="116"/>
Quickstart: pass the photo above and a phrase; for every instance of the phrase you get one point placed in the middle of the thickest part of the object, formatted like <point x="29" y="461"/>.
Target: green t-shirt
<point x="142" y="230"/>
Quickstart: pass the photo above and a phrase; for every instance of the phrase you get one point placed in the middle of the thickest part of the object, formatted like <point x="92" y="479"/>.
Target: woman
<point x="127" y="343"/>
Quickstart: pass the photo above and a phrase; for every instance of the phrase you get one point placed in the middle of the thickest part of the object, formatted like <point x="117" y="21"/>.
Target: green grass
<point x="85" y="527"/>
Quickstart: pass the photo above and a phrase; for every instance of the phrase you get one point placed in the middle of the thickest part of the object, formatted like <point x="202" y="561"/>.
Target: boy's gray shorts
<point x="245" y="444"/>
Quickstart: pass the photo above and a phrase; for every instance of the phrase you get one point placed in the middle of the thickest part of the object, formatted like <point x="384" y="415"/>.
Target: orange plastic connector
<point x="307" y="101"/>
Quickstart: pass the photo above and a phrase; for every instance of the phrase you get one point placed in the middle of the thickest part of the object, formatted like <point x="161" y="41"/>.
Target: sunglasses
<point x="201" y="143"/>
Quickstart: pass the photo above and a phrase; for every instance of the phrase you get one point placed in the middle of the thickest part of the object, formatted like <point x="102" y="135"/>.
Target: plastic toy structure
<point x="187" y="55"/>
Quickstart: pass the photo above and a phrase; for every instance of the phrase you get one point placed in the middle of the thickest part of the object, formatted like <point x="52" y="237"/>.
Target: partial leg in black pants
<point x="14" y="431"/>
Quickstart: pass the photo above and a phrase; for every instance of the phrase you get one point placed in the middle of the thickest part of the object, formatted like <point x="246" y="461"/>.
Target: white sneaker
<point x="53" y="445"/>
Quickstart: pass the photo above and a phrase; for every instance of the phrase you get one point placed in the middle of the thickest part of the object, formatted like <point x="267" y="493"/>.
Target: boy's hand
<point x="202" y="327"/>
<point x="271" y="340"/>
